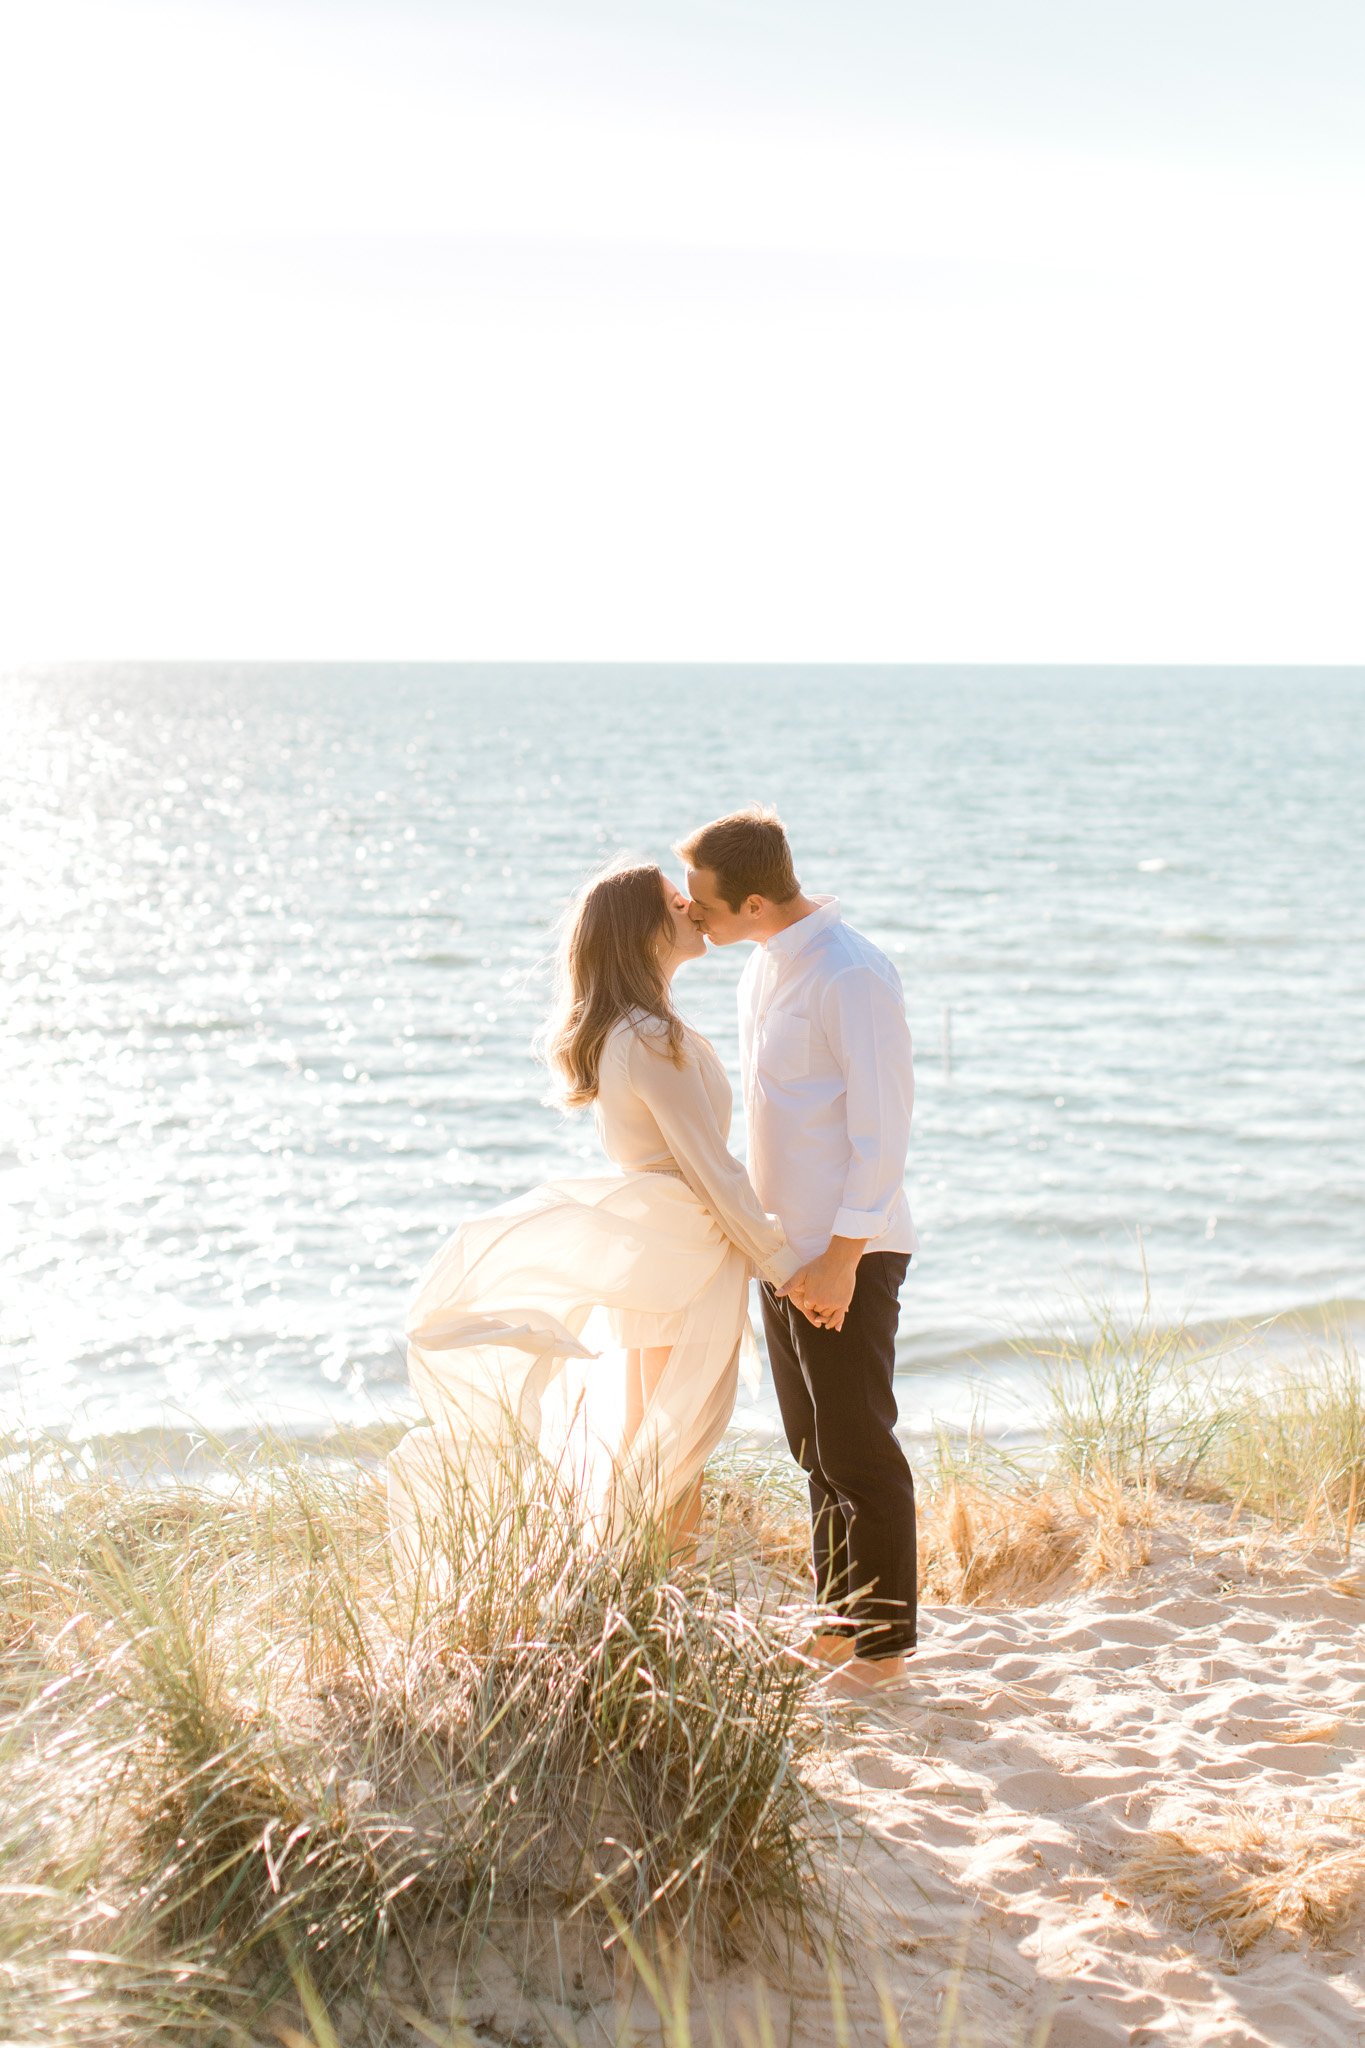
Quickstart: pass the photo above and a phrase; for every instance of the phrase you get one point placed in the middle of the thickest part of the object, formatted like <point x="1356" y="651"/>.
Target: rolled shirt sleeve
<point x="677" y="1099"/>
<point x="863" y="1015"/>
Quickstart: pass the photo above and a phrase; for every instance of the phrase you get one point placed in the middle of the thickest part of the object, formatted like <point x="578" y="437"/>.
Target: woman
<point x="600" y="1321"/>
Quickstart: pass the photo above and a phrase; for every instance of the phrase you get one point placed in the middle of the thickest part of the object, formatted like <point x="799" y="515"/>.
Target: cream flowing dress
<point x="519" y="1328"/>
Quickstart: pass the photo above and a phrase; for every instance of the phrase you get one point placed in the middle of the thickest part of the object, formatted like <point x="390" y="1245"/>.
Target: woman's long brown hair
<point x="609" y="967"/>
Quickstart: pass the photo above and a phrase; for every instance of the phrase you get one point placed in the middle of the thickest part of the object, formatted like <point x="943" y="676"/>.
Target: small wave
<point x="1300" y="1332"/>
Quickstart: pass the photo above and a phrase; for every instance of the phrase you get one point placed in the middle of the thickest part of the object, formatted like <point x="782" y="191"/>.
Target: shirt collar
<point x="786" y="945"/>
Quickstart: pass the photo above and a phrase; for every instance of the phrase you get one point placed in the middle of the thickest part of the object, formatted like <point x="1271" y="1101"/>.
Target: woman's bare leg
<point x="644" y="1370"/>
<point x="652" y="1363"/>
<point x="635" y="1399"/>
<point x="684" y="1520"/>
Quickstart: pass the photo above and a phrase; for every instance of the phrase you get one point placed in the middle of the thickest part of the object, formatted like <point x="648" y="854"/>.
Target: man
<point x="828" y="1090"/>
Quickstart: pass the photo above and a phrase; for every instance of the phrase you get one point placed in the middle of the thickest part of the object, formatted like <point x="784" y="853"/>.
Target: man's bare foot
<point x="828" y="1648"/>
<point x="861" y="1678"/>
<point x="831" y="1645"/>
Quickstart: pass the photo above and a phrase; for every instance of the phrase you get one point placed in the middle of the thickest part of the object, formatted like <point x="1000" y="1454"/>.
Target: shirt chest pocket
<point x="784" y="1051"/>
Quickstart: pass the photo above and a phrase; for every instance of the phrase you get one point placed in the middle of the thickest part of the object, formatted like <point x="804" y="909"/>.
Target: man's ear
<point x="754" y="905"/>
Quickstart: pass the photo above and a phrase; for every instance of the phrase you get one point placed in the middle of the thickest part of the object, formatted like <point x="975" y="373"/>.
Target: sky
<point x="747" y="330"/>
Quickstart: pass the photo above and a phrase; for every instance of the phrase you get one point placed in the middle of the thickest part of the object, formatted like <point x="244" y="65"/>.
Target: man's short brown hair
<point x="747" y="853"/>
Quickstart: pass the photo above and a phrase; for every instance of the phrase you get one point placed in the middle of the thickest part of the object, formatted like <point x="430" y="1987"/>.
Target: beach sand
<point x="1020" y="1820"/>
<point x="1040" y="1753"/>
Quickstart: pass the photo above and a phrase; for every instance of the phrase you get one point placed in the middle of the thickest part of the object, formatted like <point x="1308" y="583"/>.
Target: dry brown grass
<point x="1309" y="1731"/>
<point x="978" y="1546"/>
<point x="981" y="1546"/>
<point x="988" y="1531"/>
<point x="1296" y="1871"/>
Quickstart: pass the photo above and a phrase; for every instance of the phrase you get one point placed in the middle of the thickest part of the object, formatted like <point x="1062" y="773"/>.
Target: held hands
<point x="823" y="1289"/>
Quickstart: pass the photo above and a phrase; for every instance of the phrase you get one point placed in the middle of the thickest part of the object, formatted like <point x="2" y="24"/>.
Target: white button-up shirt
<point x="829" y="1085"/>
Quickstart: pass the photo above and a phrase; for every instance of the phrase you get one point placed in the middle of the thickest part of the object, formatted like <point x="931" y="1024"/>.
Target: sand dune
<point x="1127" y="1809"/>
<point x="1132" y="1814"/>
<point x="1015" y="1797"/>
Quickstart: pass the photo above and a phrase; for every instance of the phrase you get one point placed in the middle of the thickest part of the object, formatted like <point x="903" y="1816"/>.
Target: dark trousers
<point x="839" y="1413"/>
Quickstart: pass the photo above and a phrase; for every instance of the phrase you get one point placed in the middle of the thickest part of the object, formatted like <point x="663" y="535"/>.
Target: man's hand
<point x="823" y="1289"/>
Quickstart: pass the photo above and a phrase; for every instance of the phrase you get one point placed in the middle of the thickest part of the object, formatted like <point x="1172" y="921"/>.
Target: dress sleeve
<point x="676" y="1098"/>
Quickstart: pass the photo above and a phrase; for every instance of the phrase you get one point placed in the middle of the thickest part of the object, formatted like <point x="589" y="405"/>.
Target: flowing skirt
<point x="518" y="1334"/>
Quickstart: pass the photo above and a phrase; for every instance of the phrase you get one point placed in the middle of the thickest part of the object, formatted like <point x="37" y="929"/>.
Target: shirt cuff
<point x="862" y="1223"/>
<point x="779" y="1269"/>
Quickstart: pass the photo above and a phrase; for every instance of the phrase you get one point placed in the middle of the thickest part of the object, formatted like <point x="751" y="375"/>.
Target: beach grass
<point x="245" y="1743"/>
<point x="1135" y="1418"/>
<point x="257" y="1769"/>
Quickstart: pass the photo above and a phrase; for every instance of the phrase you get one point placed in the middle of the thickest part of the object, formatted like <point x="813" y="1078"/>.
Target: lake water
<point x="275" y="944"/>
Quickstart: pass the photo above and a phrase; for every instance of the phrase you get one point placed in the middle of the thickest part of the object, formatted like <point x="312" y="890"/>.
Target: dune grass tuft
<point x="1130" y="1403"/>
<point x="1291" y="1447"/>
<point x="252" y="1742"/>
<point x="1296" y="1871"/>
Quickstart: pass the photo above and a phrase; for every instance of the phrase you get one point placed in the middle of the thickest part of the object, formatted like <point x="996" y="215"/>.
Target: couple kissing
<point x="603" y="1320"/>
